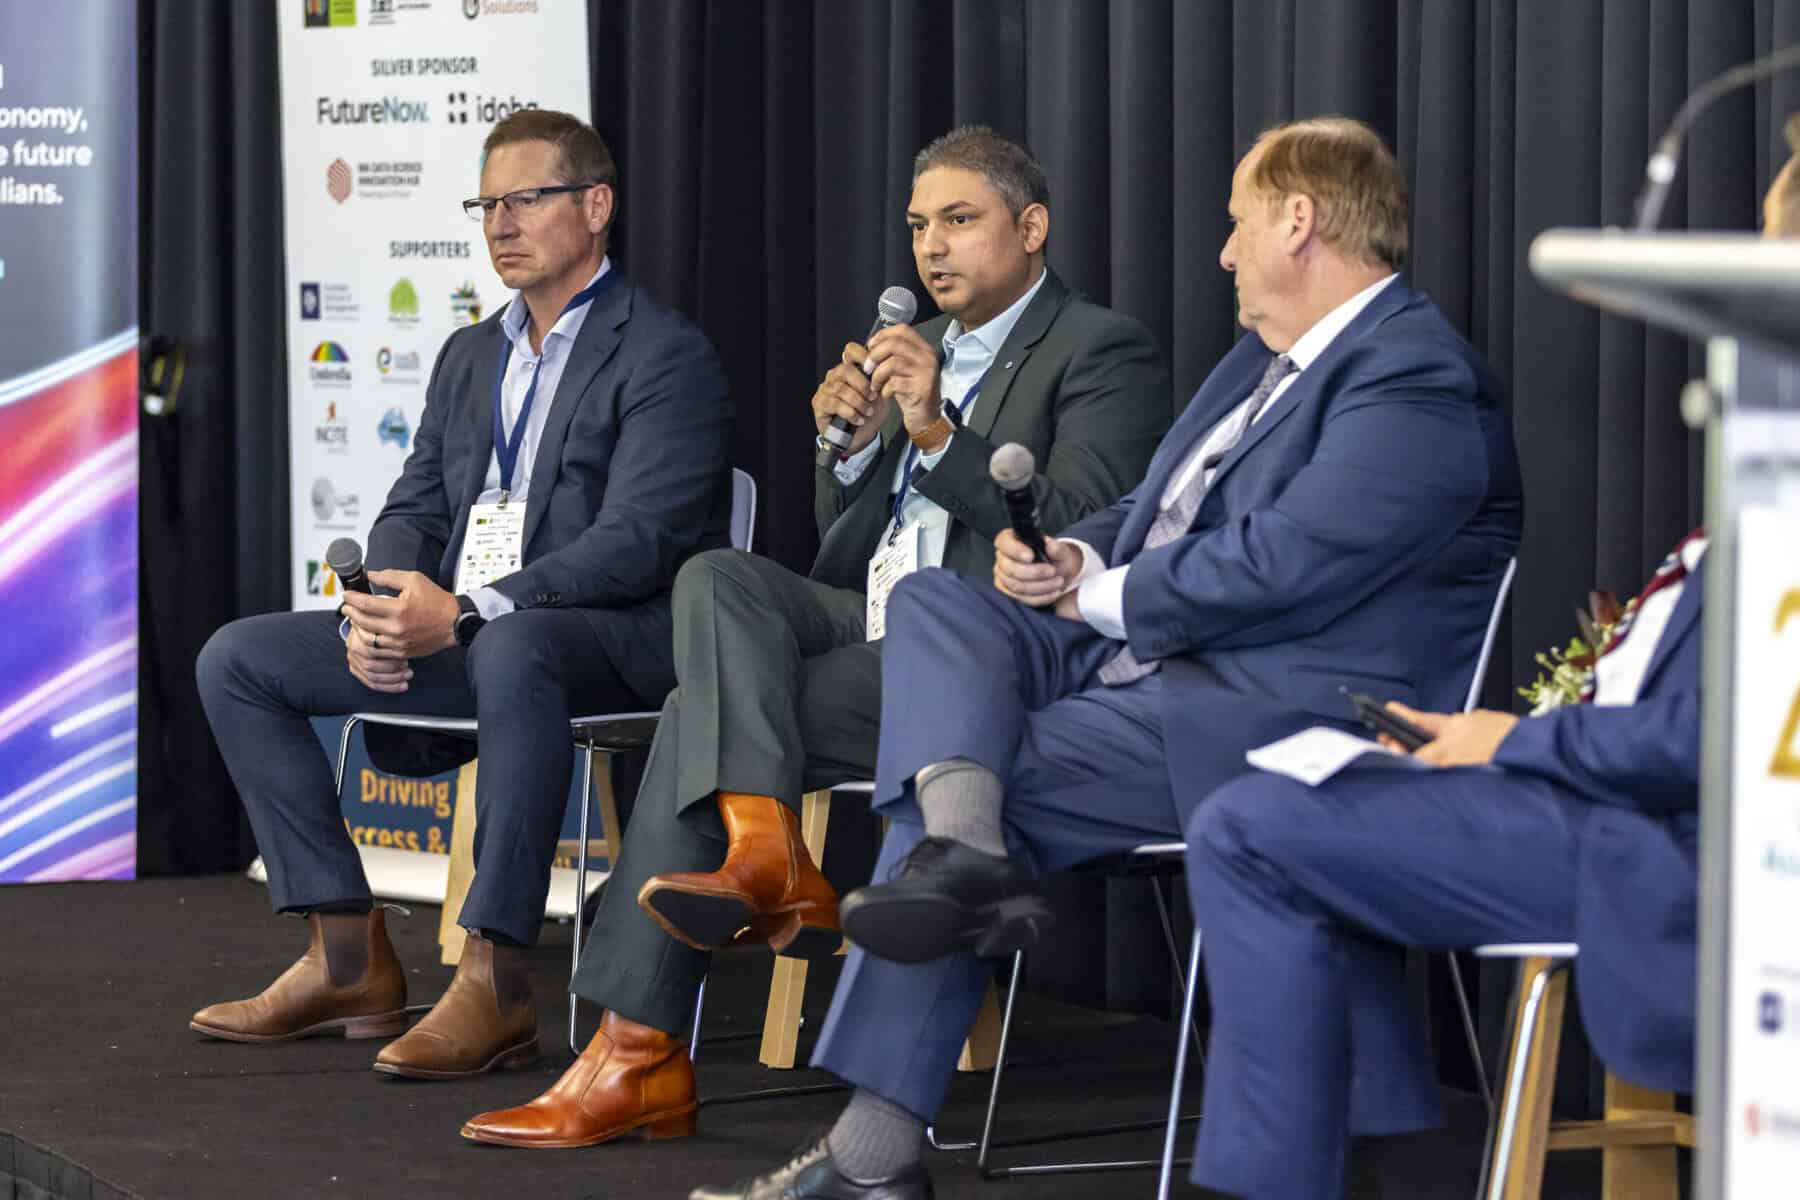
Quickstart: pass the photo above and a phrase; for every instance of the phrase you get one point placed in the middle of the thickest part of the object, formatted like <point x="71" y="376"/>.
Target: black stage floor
<point x="104" y="1092"/>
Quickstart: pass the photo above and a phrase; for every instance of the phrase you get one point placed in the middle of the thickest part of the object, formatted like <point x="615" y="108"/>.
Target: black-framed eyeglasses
<point x="521" y="201"/>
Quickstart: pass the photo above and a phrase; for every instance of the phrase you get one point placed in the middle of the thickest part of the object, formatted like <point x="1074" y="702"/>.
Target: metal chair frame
<point x="604" y="733"/>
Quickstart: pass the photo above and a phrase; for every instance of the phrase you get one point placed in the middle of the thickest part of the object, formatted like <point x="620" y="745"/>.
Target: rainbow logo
<point x="329" y="352"/>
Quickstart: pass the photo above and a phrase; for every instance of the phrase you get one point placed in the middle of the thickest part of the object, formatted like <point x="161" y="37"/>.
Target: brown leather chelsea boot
<point x="630" y="1077"/>
<point x="348" y="983"/>
<point x="485" y="1020"/>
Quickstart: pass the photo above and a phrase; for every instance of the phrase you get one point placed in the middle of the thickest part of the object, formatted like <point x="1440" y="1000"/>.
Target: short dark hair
<point x="582" y="154"/>
<point x="1354" y="182"/>
<point x="1007" y="165"/>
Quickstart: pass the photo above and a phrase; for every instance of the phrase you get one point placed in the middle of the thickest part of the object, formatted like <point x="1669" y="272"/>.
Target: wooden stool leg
<point x="1638" y="1172"/>
<point x="1525" y="1163"/>
<point x="981" y="1049"/>
<point x="787" y="982"/>
<point x="462" y="866"/>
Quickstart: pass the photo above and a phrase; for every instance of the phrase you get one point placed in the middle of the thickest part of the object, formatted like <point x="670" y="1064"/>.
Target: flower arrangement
<point x="1568" y="672"/>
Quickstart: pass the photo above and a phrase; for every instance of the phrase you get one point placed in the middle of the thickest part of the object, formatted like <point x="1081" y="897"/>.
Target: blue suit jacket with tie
<point x="1355" y="536"/>
<point x="1635" y="891"/>
<point x="630" y="477"/>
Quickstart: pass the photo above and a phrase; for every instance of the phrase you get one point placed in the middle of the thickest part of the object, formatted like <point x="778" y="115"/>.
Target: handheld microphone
<point x="345" y="559"/>
<point x="896" y="307"/>
<point x="1659" y="172"/>
<point x="1012" y="467"/>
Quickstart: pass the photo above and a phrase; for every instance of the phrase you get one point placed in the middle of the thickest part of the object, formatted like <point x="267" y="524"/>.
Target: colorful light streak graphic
<point x="68" y="639"/>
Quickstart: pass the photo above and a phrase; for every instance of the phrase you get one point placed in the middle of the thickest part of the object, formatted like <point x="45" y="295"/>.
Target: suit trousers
<point x="777" y="694"/>
<point x="524" y="677"/>
<point x="987" y="679"/>
<point x="1304" y="898"/>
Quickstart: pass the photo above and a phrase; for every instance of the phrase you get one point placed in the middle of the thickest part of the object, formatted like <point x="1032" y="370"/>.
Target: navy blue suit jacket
<point x="631" y="474"/>
<point x="1635" y="897"/>
<point x="1355" y="537"/>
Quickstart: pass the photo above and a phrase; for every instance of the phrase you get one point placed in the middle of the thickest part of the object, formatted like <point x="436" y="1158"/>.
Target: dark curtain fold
<point x="765" y="151"/>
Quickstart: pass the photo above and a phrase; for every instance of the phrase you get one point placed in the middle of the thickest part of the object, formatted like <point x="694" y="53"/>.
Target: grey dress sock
<point x="874" y="1139"/>
<point x="960" y="800"/>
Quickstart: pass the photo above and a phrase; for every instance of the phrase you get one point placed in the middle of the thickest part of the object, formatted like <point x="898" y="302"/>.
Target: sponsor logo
<point x="465" y="305"/>
<point x="337" y="180"/>
<point x="393" y="428"/>
<point x="327" y="302"/>
<point x="397" y="362"/>
<point x="332" y="433"/>
<point x="424" y="249"/>
<point x="389" y="110"/>
<point x="497" y="8"/>
<point x="1777" y="861"/>
<point x="486" y="110"/>
<point x="329" y="366"/>
<point x="1776" y="1122"/>
<point x="388" y="180"/>
<point x="321" y="580"/>
<point x="325" y="14"/>
<point x="381" y="12"/>
<point x="1769" y="1012"/>
<point x="403" y="303"/>
<point x="331" y="508"/>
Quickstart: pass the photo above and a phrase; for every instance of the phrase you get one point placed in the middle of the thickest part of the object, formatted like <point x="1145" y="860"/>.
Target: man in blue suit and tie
<point x="572" y="455"/>
<point x="1580" y="824"/>
<point x="1336" y="507"/>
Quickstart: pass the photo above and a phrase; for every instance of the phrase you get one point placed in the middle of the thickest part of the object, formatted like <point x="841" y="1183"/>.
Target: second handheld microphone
<point x="1012" y="467"/>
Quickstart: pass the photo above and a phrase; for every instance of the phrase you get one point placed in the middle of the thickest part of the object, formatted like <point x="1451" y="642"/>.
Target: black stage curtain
<point x="765" y="152"/>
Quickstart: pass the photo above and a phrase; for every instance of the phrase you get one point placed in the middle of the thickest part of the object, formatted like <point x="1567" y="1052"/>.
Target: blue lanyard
<point x="506" y="449"/>
<point x="913" y="453"/>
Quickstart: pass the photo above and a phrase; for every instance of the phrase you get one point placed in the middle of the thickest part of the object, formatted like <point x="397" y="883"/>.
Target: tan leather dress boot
<point x="767" y="885"/>
<point x="484" y="1021"/>
<point x="630" y="1077"/>
<point x="348" y="983"/>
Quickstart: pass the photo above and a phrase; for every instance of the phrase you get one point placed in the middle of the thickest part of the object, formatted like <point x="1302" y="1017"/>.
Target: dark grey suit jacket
<point x="1081" y="386"/>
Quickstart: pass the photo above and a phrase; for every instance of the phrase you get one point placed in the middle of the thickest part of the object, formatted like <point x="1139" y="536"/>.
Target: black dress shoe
<point x="947" y="896"/>
<point x="815" y="1175"/>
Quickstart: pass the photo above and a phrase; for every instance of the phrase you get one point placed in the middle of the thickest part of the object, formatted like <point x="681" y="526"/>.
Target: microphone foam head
<point x="1012" y="466"/>
<point x="897" y="305"/>
<point x="344" y="556"/>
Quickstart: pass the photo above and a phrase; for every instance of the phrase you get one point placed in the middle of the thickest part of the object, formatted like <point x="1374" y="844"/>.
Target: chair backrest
<point x="743" y="509"/>
<point x="1493" y="632"/>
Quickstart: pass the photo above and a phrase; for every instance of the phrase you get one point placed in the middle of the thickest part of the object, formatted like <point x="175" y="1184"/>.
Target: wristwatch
<point x="936" y="436"/>
<point x="468" y="621"/>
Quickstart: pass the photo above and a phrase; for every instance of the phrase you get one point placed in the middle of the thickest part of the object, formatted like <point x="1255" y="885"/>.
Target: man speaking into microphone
<point x="780" y="674"/>
<point x="572" y="454"/>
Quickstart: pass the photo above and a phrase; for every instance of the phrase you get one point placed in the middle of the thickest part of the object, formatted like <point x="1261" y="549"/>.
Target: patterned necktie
<point x="1173" y="520"/>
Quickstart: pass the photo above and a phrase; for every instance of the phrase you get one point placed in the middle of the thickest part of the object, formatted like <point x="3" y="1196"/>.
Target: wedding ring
<point x="375" y="641"/>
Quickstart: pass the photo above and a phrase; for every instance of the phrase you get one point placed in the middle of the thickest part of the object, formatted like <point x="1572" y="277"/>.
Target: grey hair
<point x="1014" y="173"/>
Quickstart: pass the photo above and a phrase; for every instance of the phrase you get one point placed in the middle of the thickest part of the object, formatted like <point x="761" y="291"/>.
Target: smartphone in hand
<point x="1376" y="718"/>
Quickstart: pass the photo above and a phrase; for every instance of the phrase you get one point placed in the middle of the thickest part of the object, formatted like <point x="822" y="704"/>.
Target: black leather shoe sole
<point x="705" y="921"/>
<point x="915" y="926"/>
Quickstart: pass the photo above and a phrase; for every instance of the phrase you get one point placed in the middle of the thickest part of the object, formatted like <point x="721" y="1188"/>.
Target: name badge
<point x="492" y="545"/>
<point x="897" y="558"/>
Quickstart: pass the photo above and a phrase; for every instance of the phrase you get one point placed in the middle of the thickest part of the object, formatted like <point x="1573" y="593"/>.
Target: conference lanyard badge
<point x="897" y="558"/>
<point x="493" y="544"/>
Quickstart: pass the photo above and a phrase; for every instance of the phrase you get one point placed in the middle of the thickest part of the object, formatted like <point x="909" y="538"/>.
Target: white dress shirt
<point x="1102" y="590"/>
<point x="967" y="356"/>
<point x="520" y="365"/>
<point x="1619" y="673"/>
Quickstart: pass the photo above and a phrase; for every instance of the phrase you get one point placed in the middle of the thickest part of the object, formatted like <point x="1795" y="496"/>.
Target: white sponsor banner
<point x="384" y="107"/>
<point x="1762" y="1120"/>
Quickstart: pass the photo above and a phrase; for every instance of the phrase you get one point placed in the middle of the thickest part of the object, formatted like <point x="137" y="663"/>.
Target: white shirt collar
<point x="993" y="334"/>
<point x="567" y="325"/>
<point x="1313" y="342"/>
